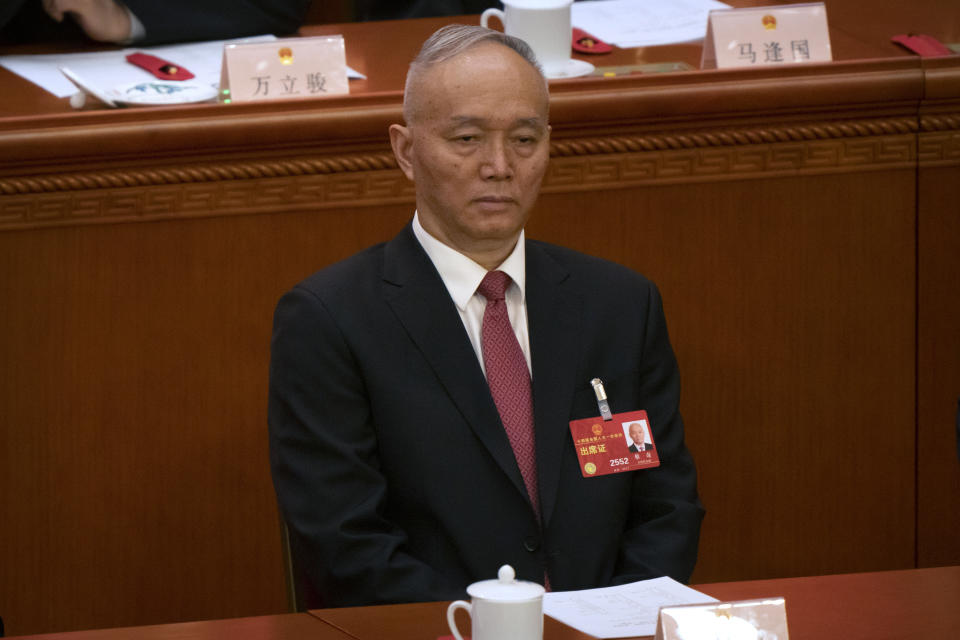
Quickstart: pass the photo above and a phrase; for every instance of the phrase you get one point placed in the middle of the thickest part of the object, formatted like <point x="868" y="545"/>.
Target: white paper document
<point x="104" y="70"/>
<point x="620" y="612"/>
<point x="644" y="23"/>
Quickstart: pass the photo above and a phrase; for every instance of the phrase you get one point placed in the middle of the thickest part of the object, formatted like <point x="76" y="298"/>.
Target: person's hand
<point x="103" y="20"/>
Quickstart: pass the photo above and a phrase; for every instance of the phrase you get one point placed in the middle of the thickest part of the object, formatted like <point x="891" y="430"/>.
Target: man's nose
<point x="497" y="162"/>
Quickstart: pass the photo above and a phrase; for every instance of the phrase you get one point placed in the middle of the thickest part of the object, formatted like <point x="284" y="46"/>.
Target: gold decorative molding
<point x="725" y="163"/>
<point x="736" y="137"/>
<point x="204" y="199"/>
<point x="938" y="149"/>
<point x="113" y="179"/>
<point x="940" y="122"/>
<point x="370" y="179"/>
<point x="939" y="140"/>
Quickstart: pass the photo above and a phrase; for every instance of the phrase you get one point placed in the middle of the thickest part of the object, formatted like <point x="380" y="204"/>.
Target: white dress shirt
<point x="462" y="276"/>
<point x="137" y="30"/>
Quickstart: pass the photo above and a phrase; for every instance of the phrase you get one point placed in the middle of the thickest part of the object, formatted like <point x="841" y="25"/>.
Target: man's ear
<point x="401" y="140"/>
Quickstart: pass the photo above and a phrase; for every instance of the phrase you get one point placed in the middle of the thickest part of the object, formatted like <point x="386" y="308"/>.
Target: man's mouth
<point x="494" y="199"/>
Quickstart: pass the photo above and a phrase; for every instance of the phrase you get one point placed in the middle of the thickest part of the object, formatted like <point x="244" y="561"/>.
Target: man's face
<point x="476" y="148"/>
<point x="636" y="434"/>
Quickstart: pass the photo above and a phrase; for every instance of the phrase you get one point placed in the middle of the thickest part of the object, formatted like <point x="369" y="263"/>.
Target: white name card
<point x="739" y="620"/>
<point x="793" y="33"/>
<point x="284" y="69"/>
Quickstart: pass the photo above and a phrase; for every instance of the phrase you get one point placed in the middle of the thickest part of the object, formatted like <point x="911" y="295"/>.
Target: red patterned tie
<point x="509" y="379"/>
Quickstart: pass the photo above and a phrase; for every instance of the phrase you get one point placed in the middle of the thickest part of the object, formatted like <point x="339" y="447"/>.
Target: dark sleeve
<point x="328" y="479"/>
<point x="186" y="20"/>
<point x="401" y="9"/>
<point x="663" y="530"/>
<point x="23" y="21"/>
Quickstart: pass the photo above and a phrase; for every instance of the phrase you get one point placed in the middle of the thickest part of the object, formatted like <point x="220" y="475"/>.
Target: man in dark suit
<point x="147" y="21"/>
<point x="404" y="466"/>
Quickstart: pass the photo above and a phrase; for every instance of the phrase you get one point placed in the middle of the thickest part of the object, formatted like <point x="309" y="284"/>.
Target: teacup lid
<point x="506" y="587"/>
<point x="538" y="4"/>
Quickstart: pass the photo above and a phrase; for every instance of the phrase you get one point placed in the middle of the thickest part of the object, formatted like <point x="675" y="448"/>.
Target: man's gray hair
<point x="452" y="40"/>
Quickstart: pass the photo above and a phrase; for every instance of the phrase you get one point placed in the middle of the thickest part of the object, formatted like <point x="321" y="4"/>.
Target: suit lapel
<point x="553" y="315"/>
<point x="416" y="293"/>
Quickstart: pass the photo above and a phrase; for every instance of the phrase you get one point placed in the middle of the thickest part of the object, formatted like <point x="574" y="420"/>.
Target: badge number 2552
<point x="624" y="443"/>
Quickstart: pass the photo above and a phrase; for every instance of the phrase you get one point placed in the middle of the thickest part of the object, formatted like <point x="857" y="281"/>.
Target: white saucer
<point x="161" y="92"/>
<point x="572" y="68"/>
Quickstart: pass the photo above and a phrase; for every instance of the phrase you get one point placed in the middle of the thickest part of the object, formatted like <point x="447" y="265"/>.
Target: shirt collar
<point x="460" y="274"/>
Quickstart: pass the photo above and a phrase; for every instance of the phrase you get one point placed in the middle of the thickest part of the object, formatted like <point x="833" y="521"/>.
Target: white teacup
<point x="502" y="609"/>
<point x="543" y="24"/>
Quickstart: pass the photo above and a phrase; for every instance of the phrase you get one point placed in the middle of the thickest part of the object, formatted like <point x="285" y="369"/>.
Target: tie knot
<point x="494" y="285"/>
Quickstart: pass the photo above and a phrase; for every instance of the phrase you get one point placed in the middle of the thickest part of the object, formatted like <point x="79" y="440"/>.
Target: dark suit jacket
<point x="646" y="447"/>
<point x="399" y="9"/>
<point x="391" y="465"/>
<point x="163" y="20"/>
<point x="217" y="19"/>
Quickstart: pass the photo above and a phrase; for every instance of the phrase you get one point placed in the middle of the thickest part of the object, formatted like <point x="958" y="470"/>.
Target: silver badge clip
<point x="601" y="398"/>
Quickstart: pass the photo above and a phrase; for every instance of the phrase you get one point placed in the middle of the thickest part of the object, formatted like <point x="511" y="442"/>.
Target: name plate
<point x="787" y="34"/>
<point x="284" y="69"/>
<point x="742" y="620"/>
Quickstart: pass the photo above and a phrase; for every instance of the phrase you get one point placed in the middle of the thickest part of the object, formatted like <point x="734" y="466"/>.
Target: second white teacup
<point x="543" y="24"/>
<point x="502" y="609"/>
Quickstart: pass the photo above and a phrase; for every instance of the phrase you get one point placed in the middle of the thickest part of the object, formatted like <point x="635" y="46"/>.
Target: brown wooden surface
<point x="938" y="336"/>
<point x="892" y="605"/>
<point x="801" y="222"/>
<point x="417" y="621"/>
<point x="294" y="626"/>
<point x="772" y="310"/>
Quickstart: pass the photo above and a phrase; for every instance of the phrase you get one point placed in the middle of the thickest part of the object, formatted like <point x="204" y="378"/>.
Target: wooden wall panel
<point x="938" y="364"/>
<point x="792" y="388"/>
<point x="133" y="464"/>
<point x="938" y="337"/>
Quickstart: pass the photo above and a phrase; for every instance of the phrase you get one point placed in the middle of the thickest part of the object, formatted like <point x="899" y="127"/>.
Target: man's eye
<point x="526" y="139"/>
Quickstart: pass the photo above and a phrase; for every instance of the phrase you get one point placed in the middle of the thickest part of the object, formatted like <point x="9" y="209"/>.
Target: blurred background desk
<point x="802" y="223"/>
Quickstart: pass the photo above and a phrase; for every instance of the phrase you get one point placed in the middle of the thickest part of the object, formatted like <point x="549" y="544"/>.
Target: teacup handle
<point x="485" y="17"/>
<point x="457" y="604"/>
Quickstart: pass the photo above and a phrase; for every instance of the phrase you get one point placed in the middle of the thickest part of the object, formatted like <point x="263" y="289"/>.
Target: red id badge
<point x="624" y="443"/>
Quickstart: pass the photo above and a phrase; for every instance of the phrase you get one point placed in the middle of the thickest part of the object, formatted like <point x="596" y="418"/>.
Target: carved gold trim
<point x="940" y="122"/>
<point x="198" y="173"/>
<point x="197" y="200"/>
<point x="736" y="137"/>
<point x="112" y="179"/>
<point x="370" y="179"/>
<point x="939" y="140"/>
<point x="722" y="163"/>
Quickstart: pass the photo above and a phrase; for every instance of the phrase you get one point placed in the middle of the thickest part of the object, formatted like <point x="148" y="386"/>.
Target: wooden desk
<point x="920" y="603"/>
<point x="293" y="626"/>
<point x="801" y="223"/>
<point x="893" y="605"/>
